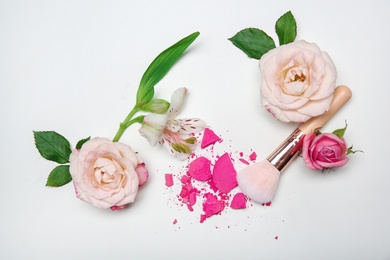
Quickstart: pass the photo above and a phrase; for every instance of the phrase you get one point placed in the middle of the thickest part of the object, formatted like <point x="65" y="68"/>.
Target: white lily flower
<point x="177" y="135"/>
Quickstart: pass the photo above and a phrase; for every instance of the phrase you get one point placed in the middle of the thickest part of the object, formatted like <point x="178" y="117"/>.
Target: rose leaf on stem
<point x="59" y="176"/>
<point x="253" y="42"/>
<point x="286" y="28"/>
<point x="81" y="142"/>
<point x="52" y="146"/>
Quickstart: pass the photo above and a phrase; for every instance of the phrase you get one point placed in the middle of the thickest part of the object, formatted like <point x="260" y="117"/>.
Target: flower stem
<point x="125" y="124"/>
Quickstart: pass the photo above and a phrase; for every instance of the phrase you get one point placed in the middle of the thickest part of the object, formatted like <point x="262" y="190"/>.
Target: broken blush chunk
<point x="238" y="201"/>
<point x="211" y="206"/>
<point x="224" y="174"/>
<point x="209" y="138"/>
<point x="199" y="169"/>
<point x="168" y="179"/>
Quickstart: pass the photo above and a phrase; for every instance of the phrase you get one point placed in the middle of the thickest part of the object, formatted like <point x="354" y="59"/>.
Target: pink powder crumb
<point x="174" y="222"/>
<point x="199" y="169"/>
<point x="168" y="180"/>
<point x="267" y="204"/>
<point x="244" y="161"/>
<point x="276" y="237"/>
<point x="224" y="174"/>
<point x="185" y="179"/>
<point x="211" y="206"/>
<point x="209" y="138"/>
<point x="239" y="201"/>
<point x="253" y="156"/>
<point x="188" y="195"/>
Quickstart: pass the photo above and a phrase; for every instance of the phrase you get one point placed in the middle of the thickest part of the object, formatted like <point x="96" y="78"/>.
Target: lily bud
<point x="158" y="106"/>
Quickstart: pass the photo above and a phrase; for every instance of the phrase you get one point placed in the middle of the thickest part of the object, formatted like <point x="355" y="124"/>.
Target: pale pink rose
<point x="107" y="174"/>
<point x="298" y="80"/>
<point x="324" y="151"/>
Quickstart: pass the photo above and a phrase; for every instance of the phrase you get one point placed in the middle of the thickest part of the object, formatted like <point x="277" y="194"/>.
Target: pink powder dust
<point x="253" y="156"/>
<point x="208" y="180"/>
<point x="244" y="161"/>
<point x="209" y="138"/>
<point x="211" y="206"/>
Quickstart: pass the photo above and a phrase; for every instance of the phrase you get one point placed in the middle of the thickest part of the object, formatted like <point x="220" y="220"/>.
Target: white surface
<point x="74" y="66"/>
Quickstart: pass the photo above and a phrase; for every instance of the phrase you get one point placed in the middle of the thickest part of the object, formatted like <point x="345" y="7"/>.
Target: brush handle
<point x="340" y="97"/>
<point x="288" y="150"/>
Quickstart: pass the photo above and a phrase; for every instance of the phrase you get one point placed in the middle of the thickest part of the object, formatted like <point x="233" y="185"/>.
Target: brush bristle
<point x="258" y="181"/>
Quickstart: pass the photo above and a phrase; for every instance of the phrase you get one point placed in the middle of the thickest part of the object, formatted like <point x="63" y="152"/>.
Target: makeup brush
<point x="258" y="181"/>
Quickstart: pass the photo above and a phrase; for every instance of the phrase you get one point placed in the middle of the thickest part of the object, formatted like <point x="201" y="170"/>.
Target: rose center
<point x="328" y="153"/>
<point x="295" y="80"/>
<point x="107" y="172"/>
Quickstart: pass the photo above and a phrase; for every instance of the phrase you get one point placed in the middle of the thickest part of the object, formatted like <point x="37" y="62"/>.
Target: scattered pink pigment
<point x="253" y="156"/>
<point x="210" y="180"/>
<point x="211" y="206"/>
<point x="209" y="138"/>
<point x="188" y="195"/>
<point x="244" y="161"/>
<point x="168" y="179"/>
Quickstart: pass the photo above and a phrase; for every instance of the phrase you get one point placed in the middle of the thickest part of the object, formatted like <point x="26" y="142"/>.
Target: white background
<point x="74" y="67"/>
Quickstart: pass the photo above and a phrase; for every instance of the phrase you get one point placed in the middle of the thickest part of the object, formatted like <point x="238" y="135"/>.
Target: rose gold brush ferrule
<point x="290" y="148"/>
<point x="287" y="151"/>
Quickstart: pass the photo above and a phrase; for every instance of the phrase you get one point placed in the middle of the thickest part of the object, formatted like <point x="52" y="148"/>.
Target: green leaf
<point x="81" y="142"/>
<point x="254" y="42"/>
<point x="138" y="119"/>
<point x="59" y="176"/>
<point x="286" y="28"/>
<point x="52" y="146"/>
<point x="340" y="132"/>
<point x="158" y="106"/>
<point x="160" y="67"/>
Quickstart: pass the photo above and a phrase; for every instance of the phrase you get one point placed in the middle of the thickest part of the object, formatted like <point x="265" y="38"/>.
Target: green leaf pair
<point x="255" y="42"/>
<point x="54" y="147"/>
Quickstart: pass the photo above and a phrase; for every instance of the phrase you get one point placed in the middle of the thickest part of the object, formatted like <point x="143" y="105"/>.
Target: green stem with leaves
<point x="153" y="74"/>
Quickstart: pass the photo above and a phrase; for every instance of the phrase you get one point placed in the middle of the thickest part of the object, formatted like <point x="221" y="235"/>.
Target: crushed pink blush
<point x="209" y="179"/>
<point x="199" y="169"/>
<point x="244" y="161"/>
<point x="188" y="195"/>
<point x="224" y="174"/>
<point x="253" y="156"/>
<point x="209" y="138"/>
<point x="238" y="201"/>
<point x="168" y="180"/>
<point x="185" y="179"/>
<point x="211" y="206"/>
